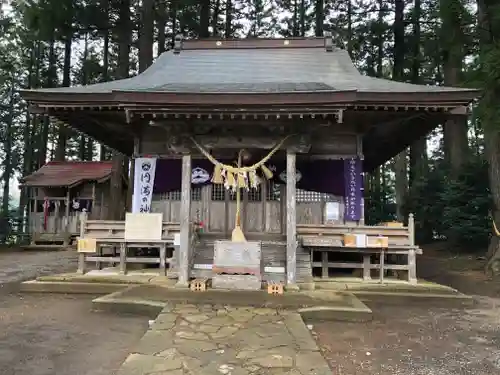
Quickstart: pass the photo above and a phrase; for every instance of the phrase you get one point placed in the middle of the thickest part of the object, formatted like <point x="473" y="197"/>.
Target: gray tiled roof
<point x="253" y="70"/>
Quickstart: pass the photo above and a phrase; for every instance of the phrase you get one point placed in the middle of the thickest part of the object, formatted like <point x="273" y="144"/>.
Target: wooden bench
<point x="329" y="238"/>
<point x="366" y="265"/>
<point x="111" y="234"/>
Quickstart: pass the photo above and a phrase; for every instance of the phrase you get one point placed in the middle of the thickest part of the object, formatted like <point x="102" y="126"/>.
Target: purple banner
<point x="353" y="185"/>
<point x="323" y="176"/>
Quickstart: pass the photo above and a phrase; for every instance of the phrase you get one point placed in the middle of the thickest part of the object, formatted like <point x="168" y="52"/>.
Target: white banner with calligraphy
<point x="144" y="179"/>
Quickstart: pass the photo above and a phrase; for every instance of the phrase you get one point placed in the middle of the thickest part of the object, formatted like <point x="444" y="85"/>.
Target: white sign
<point x="144" y="179"/>
<point x="199" y="176"/>
<point x="360" y="240"/>
<point x="177" y="239"/>
<point x="332" y="211"/>
<point x="143" y="227"/>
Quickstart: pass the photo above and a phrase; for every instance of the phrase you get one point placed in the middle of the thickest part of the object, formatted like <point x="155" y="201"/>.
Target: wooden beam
<point x="298" y="144"/>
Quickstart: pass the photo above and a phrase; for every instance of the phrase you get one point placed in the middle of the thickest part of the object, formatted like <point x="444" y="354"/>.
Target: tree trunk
<point x="349" y="28"/>
<point x="204" y="19"/>
<point x="418" y="151"/>
<point x="105" y="68"/>
<point x="455" y="130"/>
<point x="319" y="11"/>
<point x="63" y="131"/>
<point x="400" y="162"/>
<point x="51" y="79"/>
<point x="489" y="49"/>
<point x="9" y="135"/>
<point x="161" y="25"/>
<point x="83" y="139"/>
<point x="116" y="183"/>
<point x="302" y="18"/>
<point x="228" y="32"/>
<point x="215" y="19"/>
<point x="146" y="35"/>
<point x="27" y="140"/>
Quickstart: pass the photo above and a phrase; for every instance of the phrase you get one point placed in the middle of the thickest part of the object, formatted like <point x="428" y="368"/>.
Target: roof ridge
<point x="253" y="43"/>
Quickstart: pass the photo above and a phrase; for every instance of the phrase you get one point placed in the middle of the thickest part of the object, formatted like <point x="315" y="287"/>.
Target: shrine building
<point x="290" y="123"/>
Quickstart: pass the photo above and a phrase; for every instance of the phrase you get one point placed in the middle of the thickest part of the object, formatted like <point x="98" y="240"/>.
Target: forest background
<point x="449" y="180"/>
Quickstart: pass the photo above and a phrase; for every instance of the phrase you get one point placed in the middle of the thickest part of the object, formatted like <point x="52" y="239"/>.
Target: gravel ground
<point x="418" y="340"/>
<point x="42" y="334"/>
<point x="19" y="266"/>
<point x="58" y="335"/>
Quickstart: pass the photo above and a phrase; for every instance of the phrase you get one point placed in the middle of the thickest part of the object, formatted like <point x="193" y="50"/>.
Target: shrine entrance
<point x="262" y="209"/>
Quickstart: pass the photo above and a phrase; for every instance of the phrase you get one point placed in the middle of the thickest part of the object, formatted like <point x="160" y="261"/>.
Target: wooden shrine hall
<point x="263" y="140"/>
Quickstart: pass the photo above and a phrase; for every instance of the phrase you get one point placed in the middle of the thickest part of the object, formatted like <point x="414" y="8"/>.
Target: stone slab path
<point x="221" y="340"/>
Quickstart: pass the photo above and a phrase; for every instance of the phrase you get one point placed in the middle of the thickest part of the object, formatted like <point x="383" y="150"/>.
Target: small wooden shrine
<point x="58" y="192"/>
<point x="271" y="136"/>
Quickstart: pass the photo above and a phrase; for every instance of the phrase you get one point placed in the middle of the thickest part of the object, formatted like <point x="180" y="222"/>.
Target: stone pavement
<point x="221" y="340"/>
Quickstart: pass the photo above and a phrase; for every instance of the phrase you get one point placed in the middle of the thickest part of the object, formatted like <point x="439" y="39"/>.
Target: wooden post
<point x="412" y="259"/>
<point x="183" y="256"/>
<point x="66" y="218"/>
<point x="291" y="222"/>
<point x="123" y="258"/>
<point x="131" y="182"/>
<point x="34" y="228"/>
<point x="92" y="205"/>
<point x="359" y="153"/>
<point x="81" y="256"/>
<point x="367" y="274"/>
<point x="163" y="260"/>
<point x="324" y="265"/>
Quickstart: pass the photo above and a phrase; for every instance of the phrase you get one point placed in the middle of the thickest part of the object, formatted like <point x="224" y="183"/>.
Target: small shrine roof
<point x="68" y="173"/>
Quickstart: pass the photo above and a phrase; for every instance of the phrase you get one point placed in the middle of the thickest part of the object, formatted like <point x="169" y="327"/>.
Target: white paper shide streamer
<point x="144" y="178"/>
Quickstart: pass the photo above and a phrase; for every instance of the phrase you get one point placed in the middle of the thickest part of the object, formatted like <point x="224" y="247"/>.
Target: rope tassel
<point x="242" y="181"/>
<point x="267" y="172"/>
<point x="217" y="177"/>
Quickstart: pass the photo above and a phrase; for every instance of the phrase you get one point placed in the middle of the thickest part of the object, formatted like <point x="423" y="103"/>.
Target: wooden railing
<point x="330" y="238"/>
<point x="116" y="229"/>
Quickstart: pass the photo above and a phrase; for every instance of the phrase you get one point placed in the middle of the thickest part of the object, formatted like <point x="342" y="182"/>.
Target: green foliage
<point x="456" y="209"/>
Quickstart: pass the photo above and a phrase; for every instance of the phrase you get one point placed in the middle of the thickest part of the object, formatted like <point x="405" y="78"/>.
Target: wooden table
<point x="123" y="259"/>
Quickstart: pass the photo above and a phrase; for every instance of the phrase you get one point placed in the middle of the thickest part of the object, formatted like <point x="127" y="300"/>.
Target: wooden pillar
<point x="183" y="256"/>
<point x="66" y="218"/>
<point x="359" y="153"/>
<point x="131" y="181"/>
<point x="412" y="259"/>
<point x="81" y="256"/>
<point x="291" y="222"/>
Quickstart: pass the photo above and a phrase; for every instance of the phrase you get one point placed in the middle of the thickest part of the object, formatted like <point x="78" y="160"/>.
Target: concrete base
<point x="35" y="286"/>
<point x="148" y="298"/>
<point x="114" y="303"/>
<point x="179" y="285"/>
<point x="397" y="292"/>
<point x="292" y="287"/>
<point x="390" y="292"/>
<point x="236" y="282"/>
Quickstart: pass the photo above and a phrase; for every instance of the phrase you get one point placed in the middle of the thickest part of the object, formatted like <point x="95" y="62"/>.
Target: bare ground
<point x="420" y="340"/>
<point x="57" y="334"/>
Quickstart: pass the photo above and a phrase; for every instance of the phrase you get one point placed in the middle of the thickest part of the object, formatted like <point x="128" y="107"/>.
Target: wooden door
<point x="260" y="210"/>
